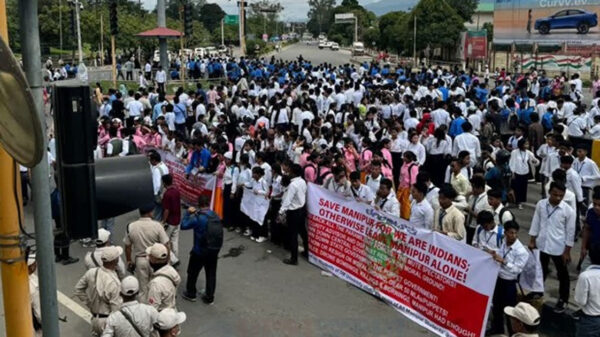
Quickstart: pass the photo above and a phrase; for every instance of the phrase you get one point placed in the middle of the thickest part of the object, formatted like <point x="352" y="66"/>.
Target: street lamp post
<point x="81" y="69"/>
<point x="415" y="41"/>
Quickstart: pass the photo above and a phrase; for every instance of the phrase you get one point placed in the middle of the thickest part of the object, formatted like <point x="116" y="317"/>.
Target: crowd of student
<point x="444" y="149"/>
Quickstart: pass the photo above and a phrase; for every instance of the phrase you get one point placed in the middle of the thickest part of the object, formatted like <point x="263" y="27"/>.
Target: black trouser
<point x="257" y="229"/>
<point x="561" y="269"/>
<point x="24" y="186"/>
<point x="161" y="87"/>
<point x="129" y="75"/>
<point x="277" y="230"/>
<point x="505" y="294"/>
<point x="208" y="261"/>
<point x="120" y="74"/>
<point x="519" y="185"/>
<point x="396" y="166"/>
<point x="238" y="216"/>
<point x="227" y="207"/>
<point x="586" y="198"/>
<point x="470" y="234"/>
<point x="61" y="245"/>
<point x="296" y="220"/>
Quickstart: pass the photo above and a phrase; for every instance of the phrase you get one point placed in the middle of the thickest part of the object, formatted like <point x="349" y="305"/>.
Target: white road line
<point x="75" y="307"/>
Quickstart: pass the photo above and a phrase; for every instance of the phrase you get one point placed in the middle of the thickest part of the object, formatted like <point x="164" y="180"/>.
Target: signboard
<point x="553" y="62"/>
<point x="344" y="17"/>
<point x="231" y="19"/>
<point x="475" y="44"/>
<point x="265" y="37"/>
<point x="442" y="284"/>
<point x="546" y="22"/>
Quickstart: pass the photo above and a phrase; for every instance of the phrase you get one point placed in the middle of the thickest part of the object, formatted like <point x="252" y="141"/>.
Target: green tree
<point x="489" y="27"/>
<point x="392" y="28"/>
<point x="438" y="25"/>
<point x="371" y="37"/>
<point x="211" y="16"/>
<point x="319" y="15"/>
<point x="350" y="3"/>
<point x="464" y="8"/>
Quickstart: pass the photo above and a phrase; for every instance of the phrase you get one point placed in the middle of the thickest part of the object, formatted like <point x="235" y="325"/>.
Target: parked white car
<point x="335" y="46"/>
<point x="322" y="44"/>
<point x="358" y="48"/>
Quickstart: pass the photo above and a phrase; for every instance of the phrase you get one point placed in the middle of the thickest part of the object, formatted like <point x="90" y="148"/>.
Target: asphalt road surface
<point x="314" y="54"/>
<point x="258" y="296"/>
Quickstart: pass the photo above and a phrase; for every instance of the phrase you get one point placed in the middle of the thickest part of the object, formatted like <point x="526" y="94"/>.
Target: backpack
<point x="499" y="235"/>
<point x="321" y="177"/>
<point x="505" y="177"/>
<point x="213" y="238"/>
<point x="504" y="210"/>
<point x="513" y="121"/>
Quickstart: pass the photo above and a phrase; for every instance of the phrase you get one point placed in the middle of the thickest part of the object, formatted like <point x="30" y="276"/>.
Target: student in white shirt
<point x="386" y="200"/>
<point x="243" y="180"/>
<point x="466" y="141"/>
<point x="553" y="232"/>
<point x="373" y="179"/>
<point x="488" y="236"/>
<point x="260" y="188"/>
<point x="360" y="192"/>
<point x="512" y="257"/>
<point x="587" y="295"/>
<point x="546" y="151"/>
<point x="587" y="170"/>
<point x="230" y="177"/>
<point x="277" y="189"/>
<point x="519" y="161"/>
<point x="421" y="212"/>
<point x="477" y="202"/>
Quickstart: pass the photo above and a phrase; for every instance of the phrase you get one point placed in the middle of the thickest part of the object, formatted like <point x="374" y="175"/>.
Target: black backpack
<point x="213" y="238"/>
<point x="505" y="176"/>
<point x="133" y="149"/>
<point x="321" y="177"/>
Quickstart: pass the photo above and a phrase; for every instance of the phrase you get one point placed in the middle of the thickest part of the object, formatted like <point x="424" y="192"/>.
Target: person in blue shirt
<point x="200" y="159"/>
<point x="456" y="125"/>
<point x="180" y="110"/>
<point x="157" y="109"/>
<point x="202" y="255"/>
<point x="481" y="93"/>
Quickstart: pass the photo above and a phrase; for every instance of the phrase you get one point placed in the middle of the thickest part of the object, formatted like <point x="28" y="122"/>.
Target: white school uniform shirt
<point x="588" y="171"/>
<point x="398" y="145"/>
<point x="545" y="152"/>
<point x="574" y="183"/>
<point x="553" y="227"/>
<point x="295" y="196"/>
<point x="158" y="171"/>
<point x="135" y="108"/>
<point x="230" y="177"/>
<point x="363" y="194"/>
<point x="419" y="150"/>
<point x="515" y="258"/>
<point x="587" y="295"/>
<point x="440" y="117"/>
<point x="432" y="147"/>
<point x="389" y="205"/>
<point x="467" y="142"/>
<point x="421" y="214"/>
<point x="478" y="203"/>
<point x="576" y="126"/>
<point x="519" y="161"/>
<point x="484" y="239"/>
<point x="276" y="188"/>
<point x="595" y="131"/>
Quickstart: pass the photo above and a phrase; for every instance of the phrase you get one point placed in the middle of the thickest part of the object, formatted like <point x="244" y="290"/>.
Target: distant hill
<point x="385" y="6"/>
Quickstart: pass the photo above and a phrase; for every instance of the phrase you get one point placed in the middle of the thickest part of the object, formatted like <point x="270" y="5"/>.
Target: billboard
<point x="547" y="22"/>
<point x="346" y="17"/>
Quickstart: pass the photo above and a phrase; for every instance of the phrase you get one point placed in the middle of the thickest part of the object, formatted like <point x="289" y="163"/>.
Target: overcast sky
<point x="294" y="10"/>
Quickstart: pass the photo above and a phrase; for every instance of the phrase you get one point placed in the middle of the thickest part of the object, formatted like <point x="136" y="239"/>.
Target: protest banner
<point x="191" y="188"/>
<point x="442" y="284"/>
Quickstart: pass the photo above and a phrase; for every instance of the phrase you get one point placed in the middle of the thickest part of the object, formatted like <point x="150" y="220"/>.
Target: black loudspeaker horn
<point x="123" y="184"/>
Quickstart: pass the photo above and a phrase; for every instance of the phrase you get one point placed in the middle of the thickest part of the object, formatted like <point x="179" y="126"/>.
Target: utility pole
<point x="60" y="32"/>
<point x="223" y="32"/>
<point x="101" y="38"/>
<point x="162" y="42"/>
<point x="355" y="29"/>
<point x="242" y="28"/>
<point x="15" y="280"/>
<point x="182" y="52"/>
<point x="78" y="23"/>
<point x="415" y="42"/>
<point x="30" y="44"/>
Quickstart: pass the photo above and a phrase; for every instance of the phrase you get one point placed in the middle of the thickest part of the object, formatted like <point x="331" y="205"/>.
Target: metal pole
<point x="162" y="42"/>
<point x="77" y="4"/>
<point x="222" y="32"/>
<point x="101" y="39"/>
<point x="415" y="41"/>
<point x="15" y="285"/>
<point x="355" y="29"/>
<point x="30" y="44"/>
<point x="242" y="28"/>
<point x="182" y="67"/>
<point x="60" y="32"/>
<point x="114" y="61"/>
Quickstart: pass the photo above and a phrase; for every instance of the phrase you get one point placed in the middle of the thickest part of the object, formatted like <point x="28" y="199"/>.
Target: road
<point x="314" y="54"/>
<point x="257" y="295"/>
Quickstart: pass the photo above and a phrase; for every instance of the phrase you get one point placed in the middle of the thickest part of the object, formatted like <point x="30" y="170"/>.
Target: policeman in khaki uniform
<point x="162" y="289"/>
<point x="169" y="323"/>
<point x="34" y="295"/>
<point x="94" y="259"/>
<point x="99" y="289"/>
<point x="134" y="318"/>
<point x="142" y="234"/>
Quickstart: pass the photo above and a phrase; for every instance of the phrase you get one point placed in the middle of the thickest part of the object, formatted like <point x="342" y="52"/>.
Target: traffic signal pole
<point x="184" y="22"/>
<point x="40" y="184"/>
<point x="15" y="283"/>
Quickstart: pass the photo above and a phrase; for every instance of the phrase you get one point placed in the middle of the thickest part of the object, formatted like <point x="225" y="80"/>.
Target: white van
<point x="358" y="48"/>
<point x="199" y="52"/>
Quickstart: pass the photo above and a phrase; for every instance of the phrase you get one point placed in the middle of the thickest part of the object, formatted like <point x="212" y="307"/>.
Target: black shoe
<point x="69" y="260"/>
<point x="560" y="307"/>
<point x="58" y="259"/>
<point x="207" y="300"/>
<point x="491" y="332"/>
<point x="290" y="262"/>
<point x="188" y="297"/>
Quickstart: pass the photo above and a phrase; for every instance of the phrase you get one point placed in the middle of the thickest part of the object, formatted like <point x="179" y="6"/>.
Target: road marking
<point x="75" y="307"/>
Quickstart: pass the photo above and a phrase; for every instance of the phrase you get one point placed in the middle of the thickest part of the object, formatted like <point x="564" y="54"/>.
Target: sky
<point x="294" y="10"/>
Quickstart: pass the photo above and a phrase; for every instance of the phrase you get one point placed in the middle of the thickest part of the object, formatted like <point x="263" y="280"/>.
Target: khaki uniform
<point x="140" y="235"/>
<point x="162" y="289"/>
<point x="143" y="316"/>
<point x="34" y="297"/>
<point x="94" y="259"/>
<point x="99" y="289"/>
<point x="452" y="222"/>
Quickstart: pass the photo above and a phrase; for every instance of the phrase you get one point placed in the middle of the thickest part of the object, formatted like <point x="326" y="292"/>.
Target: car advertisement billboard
<point x="547" y="22"/>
